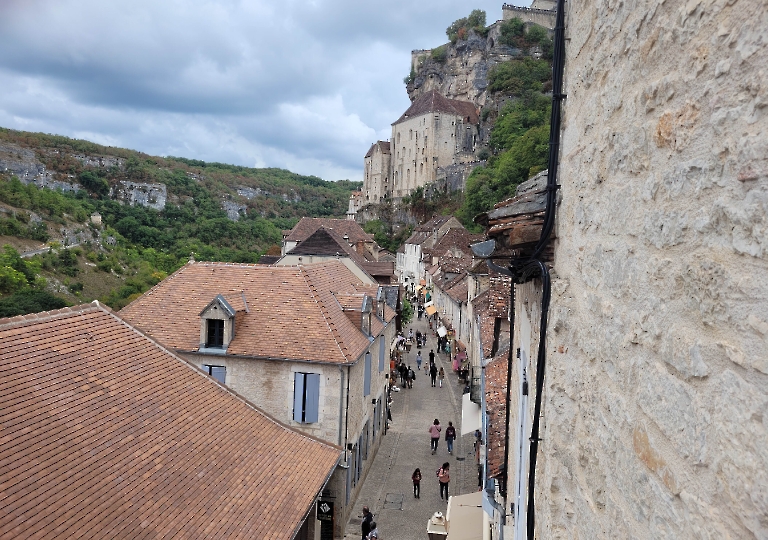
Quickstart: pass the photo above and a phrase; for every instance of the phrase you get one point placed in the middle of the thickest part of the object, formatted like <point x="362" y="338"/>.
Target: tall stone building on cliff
<point x="433" y="133"/>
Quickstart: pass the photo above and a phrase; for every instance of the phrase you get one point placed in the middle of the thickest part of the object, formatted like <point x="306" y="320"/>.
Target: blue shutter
<point x="381" y="353"/>
<point x="312" y="401"/>
<point x="367" y="382"/>
<point x="298" y="397"/>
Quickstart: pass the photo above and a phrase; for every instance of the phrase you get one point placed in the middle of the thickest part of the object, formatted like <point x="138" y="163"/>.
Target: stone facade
<point x="377" y="173"/>
<point x="423" y="144"/>
<point x="656" y="387"/>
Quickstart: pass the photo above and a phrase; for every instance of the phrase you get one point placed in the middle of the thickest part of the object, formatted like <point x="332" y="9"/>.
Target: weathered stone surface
<point x="151" y="195"/>
<point x="656" y="391"/>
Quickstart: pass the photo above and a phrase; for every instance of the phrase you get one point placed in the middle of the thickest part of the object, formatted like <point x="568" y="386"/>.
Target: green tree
<point x="460" y="27"/>
<point x="406" y="313"/>
<point x="29" y="301"/>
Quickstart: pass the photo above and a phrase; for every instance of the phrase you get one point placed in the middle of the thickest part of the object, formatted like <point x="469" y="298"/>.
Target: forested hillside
<point x="95" y="198"/>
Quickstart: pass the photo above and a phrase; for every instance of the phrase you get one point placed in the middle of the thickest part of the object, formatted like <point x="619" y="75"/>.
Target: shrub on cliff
<point x="516" y="77"/>
<point x="439" y="54"/>
<point x="460" y="27"/>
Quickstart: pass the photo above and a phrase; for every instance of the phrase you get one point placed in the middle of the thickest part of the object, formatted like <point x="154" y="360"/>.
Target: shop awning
<point x="431" y="310"/>
<point x="471" y="415"/>
<point x="464" y="517"/>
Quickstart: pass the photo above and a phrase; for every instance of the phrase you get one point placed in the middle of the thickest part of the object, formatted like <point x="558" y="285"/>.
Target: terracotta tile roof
<point x="480" y="307"/>
<point x="292" y="313"/>
<point x="306" y="226"/>
<point x="495" y="404"/>
<point x="499" y="295"/>
<point x="383" y="148"/>
<point x="459" y="289"/>
<point x="105" y="434"/>
<point x="454" y="265"/>
<point x="432" y="101"/>
<point x="457" y="239"/>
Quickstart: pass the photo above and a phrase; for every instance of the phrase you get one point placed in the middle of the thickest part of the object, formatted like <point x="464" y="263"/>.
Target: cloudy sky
<point x="305" y="85"/>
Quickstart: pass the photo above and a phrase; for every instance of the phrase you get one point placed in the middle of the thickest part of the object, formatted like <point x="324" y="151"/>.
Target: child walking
<point x="441" y="376"/>
<point x="416" y="477"/>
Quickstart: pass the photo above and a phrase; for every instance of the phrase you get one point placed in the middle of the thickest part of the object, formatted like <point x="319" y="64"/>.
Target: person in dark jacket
<point x="450" y="436"/>
<point x="433" y="373"/>
<point x="367" y="520"/>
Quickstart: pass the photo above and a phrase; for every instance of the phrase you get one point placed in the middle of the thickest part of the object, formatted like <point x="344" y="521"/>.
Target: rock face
<point x="234" y="210"/>
<point x="656" y="391"/>
<point x="151" y="195"/>
<point x="464" y="73"/>
<point x="23" y="163"/>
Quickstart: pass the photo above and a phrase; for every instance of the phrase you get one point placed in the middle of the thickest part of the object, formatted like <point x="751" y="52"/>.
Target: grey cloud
<point x="286" y="84"/>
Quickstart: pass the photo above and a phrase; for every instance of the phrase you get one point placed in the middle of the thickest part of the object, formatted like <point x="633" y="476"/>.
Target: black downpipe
<point x="505" y="475"/>
<point x="541" y="364"/>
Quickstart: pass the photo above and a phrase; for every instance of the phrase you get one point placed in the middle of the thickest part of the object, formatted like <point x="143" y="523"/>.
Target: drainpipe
<point x="341" y="403"/>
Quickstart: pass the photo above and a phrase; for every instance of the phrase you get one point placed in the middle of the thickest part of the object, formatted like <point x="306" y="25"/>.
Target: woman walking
<point x="443" y="476"/>
<point x="416" y="477"/>
<point x="434" y="433"/>
<point x="441" y="376"/>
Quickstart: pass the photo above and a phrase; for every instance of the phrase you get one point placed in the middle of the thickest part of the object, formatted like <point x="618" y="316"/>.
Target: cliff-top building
<point x="435" y="132"/>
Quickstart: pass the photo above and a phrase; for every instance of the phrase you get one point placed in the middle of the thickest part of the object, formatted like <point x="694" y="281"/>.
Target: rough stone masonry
<point x="656" y="392"/>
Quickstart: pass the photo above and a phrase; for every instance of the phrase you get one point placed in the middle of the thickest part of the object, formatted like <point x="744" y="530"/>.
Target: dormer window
<point x="215" y="333"/>
<point x="217" y="325"/>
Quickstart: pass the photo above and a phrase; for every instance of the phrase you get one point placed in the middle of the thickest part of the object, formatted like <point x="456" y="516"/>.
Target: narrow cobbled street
<point x="388" y="490"/>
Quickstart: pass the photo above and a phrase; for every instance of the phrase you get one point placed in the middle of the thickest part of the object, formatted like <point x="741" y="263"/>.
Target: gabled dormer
<point x="217" y="326"/>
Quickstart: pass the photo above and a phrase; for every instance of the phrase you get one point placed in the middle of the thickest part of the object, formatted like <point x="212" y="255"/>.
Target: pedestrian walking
<point x="434" y="433"/>
<point x="411" y="377"/>
<point x="450" y="436"/>
<point x="444" y="477"/>
<point x="433" y="374"/>
<point x="431" y="356"/>
<point x="418" y="361"/>
<point x="374" y="534"/>
<point x="416" y="477"/>
<point x="441" y="376"/>
<point x="367" y="523"/>
<point x="403" y="372"/>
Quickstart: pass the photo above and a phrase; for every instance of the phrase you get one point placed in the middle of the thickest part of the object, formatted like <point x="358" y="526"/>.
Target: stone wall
<point x="656" y="391"/>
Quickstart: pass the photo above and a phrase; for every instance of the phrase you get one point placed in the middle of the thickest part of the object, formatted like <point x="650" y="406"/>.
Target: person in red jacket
<point x="416" y="477"/>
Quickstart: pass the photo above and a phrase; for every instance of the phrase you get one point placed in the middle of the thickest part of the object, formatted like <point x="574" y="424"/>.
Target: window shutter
<point x="298" y="397"/>
<point x="367" y="381"/>
<point x="381" y="353"/>
<point x="312" y="407"/>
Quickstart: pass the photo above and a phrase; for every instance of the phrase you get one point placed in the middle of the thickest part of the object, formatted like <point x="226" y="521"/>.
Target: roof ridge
<point x="21" y="320"/>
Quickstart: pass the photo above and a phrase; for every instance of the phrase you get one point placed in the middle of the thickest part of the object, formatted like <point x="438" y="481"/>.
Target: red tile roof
<point x="292" y="312"/>
<point x="306" y="226"/>
<point x="432" y="101"/>
<point x="105" y="434"/>
<point x="495" y="404"/>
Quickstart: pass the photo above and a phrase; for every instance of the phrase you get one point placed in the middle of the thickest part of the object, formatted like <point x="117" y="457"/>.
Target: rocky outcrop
<point x="463" y="75"/>
<point x="151" y="195"/>
<point x="234" y="210"/>
<point x="23" y="163"/>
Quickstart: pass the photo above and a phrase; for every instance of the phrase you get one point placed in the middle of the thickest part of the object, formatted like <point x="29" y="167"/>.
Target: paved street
<point x="388" y="489"/>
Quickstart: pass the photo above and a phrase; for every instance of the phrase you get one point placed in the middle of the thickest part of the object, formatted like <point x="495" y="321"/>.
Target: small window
<point x="215" y="333"/>
<point x="367" y="375"/>
<point x="217" y="372"/>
